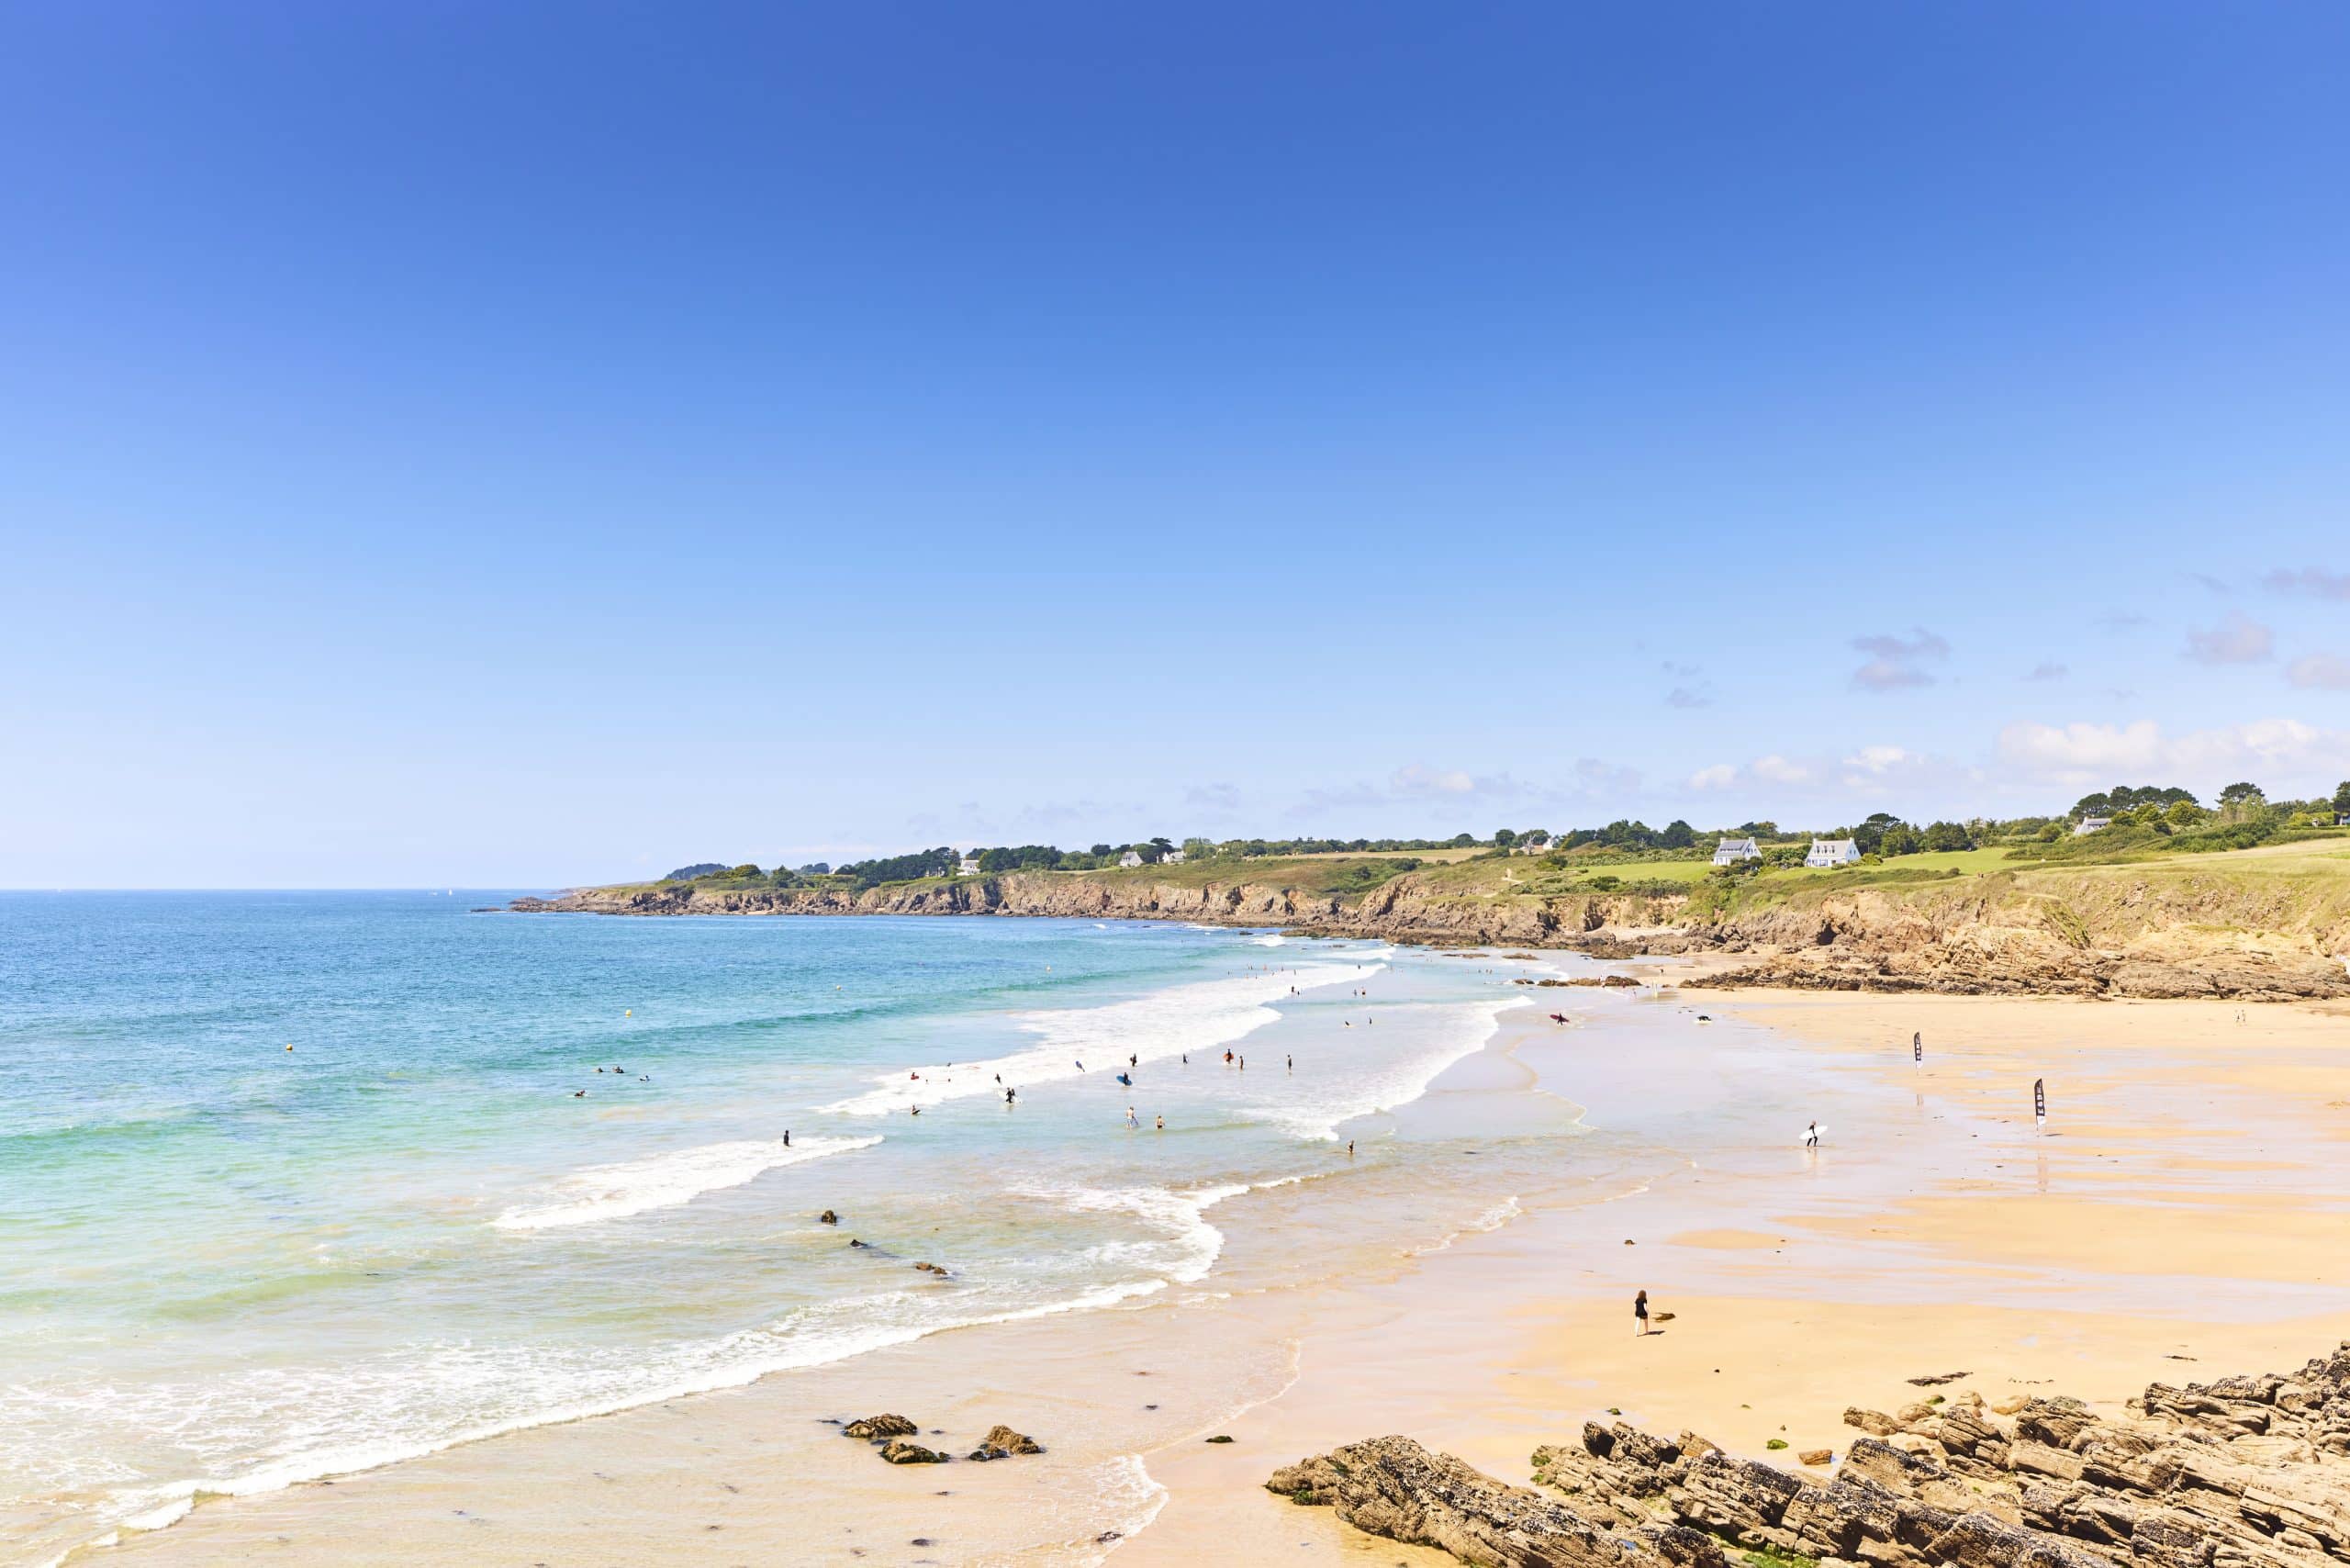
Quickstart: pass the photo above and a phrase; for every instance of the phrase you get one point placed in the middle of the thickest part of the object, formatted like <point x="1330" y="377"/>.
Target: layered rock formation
<point x="2243" y="1472"/>
<point x="2105" y="933"/>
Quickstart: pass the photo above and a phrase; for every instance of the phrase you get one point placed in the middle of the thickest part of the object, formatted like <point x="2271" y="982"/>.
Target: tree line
<point x="2241" y="813"/>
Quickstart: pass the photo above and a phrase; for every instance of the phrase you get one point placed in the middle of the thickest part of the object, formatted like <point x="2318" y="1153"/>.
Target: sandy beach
<point x="2179" y="1217"/>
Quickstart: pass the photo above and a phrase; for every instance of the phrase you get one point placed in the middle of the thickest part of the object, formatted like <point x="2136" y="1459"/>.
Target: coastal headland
<point x="2269" y="923"/>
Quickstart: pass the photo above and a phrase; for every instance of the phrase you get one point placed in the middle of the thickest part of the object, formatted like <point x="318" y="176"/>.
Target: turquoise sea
<point x="230" y="1265"/>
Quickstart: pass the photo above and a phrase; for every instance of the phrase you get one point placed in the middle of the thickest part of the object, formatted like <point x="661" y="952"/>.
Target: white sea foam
<point x="665" y="1181"/>
<point x="1316" y="1107"/>
<point x="1133" y="1495"/>
<point x="1200" y="1016"/>
<point x="1187" y="1246"/>
<point x="449" y="1378"/>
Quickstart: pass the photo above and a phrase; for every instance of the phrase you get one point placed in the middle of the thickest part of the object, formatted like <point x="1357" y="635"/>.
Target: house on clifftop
<point x="1833" y="852"/>
<point x="969" y="866"/>
<point x="1130" y="859"/>
<point x="1730" y="851"/>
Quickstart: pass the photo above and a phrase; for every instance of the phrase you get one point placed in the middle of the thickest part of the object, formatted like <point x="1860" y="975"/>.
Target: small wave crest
<point x="1317" y="1110"/>
<point x="1200" y="1016"/>
<point x="665" y="1181"/>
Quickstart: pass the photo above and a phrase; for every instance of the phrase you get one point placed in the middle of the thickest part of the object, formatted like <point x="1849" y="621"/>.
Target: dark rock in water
<point x="828" y="1217"/>
<point x="1219" y="1437"/>
<point x="853" y="1241"/>
<point x="875" y="1429"/>
<point x="933" y="1269"/>
<point x="897" y="1451"/>
<point x="1002" y="1442"/>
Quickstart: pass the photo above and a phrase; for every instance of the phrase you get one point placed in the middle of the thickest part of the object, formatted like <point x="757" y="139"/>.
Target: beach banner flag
<point x="2039" y="1102"/>
<point x="1918" y="1050"/>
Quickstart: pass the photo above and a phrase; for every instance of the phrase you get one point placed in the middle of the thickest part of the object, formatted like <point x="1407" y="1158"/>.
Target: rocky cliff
<point x="1401" y="909"/>
<point x="2243" y="1472"/>
<point x="2111" y="932"/>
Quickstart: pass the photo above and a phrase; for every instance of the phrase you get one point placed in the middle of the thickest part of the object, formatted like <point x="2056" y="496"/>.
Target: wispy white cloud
<point x="1221" y="797"/>
<point x="2313" y="580"/>
<point x="2078" y="753"/>
<point x="2048" y="669"/>
<point x="1880" y="758"/>
<point x="1721" y="775"/>
<point x="2322" y="672"/>
<point x="1897" y="662"/>
<point x="1418" y="779"/>
<point x="2238" y="640"/>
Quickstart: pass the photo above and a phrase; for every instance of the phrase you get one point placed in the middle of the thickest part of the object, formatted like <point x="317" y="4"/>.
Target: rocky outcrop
<point x="880" y="1429"/>
<point x="2110" y="934"/>
<point x="1394" y="1488"/>
<point x="897" y="1451"/>
<point x="2109" y="931"/>
<point x="1002" y="1442"/>
<point x="2243" y="1472"/>
<point x="1401" y="909"/>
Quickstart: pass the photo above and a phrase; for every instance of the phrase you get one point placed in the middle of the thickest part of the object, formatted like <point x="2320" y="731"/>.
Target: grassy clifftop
<point x="2262" y="922"/>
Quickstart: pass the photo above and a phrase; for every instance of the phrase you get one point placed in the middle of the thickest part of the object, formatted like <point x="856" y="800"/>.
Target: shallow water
<point x="232" y="1265"/>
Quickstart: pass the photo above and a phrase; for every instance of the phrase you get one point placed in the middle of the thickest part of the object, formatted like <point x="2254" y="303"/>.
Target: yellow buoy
<point x="289" y="1048"/>
<point x="628" y="1012"/>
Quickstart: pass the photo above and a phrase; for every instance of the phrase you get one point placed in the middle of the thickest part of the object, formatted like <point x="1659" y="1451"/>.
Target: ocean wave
<point x="1188" y="1246"/>
<point x="665" y="1181"/>
<point x="1317" y="1109"/>
<point x="1199" y="1015"/>
<point x="421" y="1387"/>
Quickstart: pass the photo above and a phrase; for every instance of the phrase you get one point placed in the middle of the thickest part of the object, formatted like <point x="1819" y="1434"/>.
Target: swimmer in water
<point x="1130" y="1117"/>
<point x="1007" y="1095"/>
<point x="1162" y="1123"/>
<point x="1350" y="1148"/>
<point x="579" y="1094"/>
<point x="786" y="1137"/>
<point x="1291" y="1062"/>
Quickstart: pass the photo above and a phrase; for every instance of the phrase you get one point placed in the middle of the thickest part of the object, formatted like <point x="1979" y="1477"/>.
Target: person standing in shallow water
<point x="1640" y="1312"/>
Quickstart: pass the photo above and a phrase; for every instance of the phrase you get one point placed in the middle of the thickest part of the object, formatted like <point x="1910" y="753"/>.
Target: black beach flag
<point x="2040" y="1102"/>
<point x="1918" y="1049"/>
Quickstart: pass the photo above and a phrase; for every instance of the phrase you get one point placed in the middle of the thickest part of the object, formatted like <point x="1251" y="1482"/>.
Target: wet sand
<point x="2185" y="1201"/>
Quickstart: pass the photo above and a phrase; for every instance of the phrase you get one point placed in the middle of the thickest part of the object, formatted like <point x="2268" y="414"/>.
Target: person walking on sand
<point x="1640" y="1314"/>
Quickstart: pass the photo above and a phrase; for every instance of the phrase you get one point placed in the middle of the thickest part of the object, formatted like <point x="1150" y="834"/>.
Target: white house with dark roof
<point x="2091" y="824"/>
<point x="1833" y="852"/>
<point x="1730" y="851"/>
<point x="1172" y="857"/>
<point x="969" y="866"/>
<point x="1532" y="844"/>
<point x="1130" y="859"/>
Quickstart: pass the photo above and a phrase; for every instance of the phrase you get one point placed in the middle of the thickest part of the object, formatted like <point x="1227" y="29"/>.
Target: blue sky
<point x="511" y="445"/>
